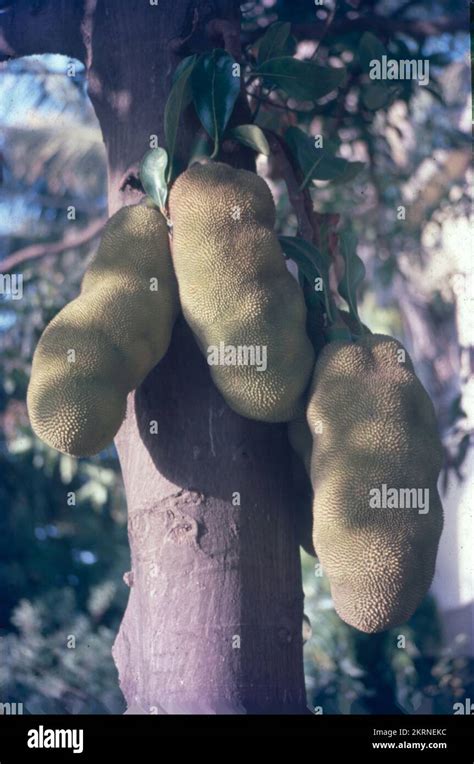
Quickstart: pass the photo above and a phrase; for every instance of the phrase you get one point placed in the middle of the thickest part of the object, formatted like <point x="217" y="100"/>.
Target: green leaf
<point x="253" y="136"/>
<point x="370" y="48"/>
<point x="337" y="334"/>
<point x="202" y="147"/>
<point x="303" y="80"/>
<point x="351" y="170"/>
<point x="153" y="176"/>
<point x="215" y="91"/>
<point x="313" y="265"/>
<point x="182" y="66"/>
<point x="179" y="97"/>
<point x="376" y="95"/>
<point x="275" y="42"/>
<point x="317" y="163"/>
<point x="439" y="59"/>
<point x="354" y="273"/>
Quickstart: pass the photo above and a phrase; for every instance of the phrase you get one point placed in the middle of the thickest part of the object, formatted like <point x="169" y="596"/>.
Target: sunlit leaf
<point x="252" y="136"/>
<point x="153" y="175"/>
<point x="183" y="66"/>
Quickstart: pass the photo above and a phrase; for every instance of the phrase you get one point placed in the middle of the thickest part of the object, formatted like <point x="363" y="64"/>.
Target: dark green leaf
<point x="354" y="273"/>
<point x="403" y="51"/>
<point x="313" y="265"/>
<point x="275" y="42"/>
<point x="215" y="91"/>
<point x="439" y="59"/>
<point x="317" y="163"/>
<point x="370" y="48"/>
<point x="202" y="147"/>
<point x="252" y="136"/>
<point x="376" y="95"/>
<point x="303" y="80"/>
<point x="337" y="333"/>
<point x="153" y="175"/>
<point x="179" y="97"/>
<point x="351" y="170"/>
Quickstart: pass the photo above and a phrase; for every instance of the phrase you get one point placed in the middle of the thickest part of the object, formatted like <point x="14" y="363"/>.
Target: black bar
<point x="124" y="735"/>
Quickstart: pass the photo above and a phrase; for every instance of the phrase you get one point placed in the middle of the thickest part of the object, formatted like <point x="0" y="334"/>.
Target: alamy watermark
<point x="11" y="285"/>
<point x="11" y="709"/>
<point x="400" y="498"/>
<point x="238" y="355"/>
<point x="406" y="69"/>
<point x="53" y="738"/>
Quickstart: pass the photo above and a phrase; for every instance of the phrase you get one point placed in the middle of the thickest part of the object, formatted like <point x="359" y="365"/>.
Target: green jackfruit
<point x="103" y="344"/>
<point x="299" y="433"/>
<point x="236" y="293"/>
<point x="373" y="425"/>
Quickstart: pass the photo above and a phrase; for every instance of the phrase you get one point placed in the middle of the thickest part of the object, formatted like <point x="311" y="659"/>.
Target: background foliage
<point x="61" y="566"/>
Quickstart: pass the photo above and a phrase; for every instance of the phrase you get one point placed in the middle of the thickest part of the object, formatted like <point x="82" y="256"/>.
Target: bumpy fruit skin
<point x="235" y="289"/>
<point x="373" y="424"/>
<point x="299" y="433"/>
<point x="301" y="442"/>
<point x="119" y="327"/>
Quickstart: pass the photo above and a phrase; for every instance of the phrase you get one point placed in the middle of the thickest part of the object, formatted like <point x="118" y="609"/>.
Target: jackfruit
<point x="374" y="430"/>
<point x="299" y="433"/>
<point x="101" y="345"/>
<point x="245" y="309"/>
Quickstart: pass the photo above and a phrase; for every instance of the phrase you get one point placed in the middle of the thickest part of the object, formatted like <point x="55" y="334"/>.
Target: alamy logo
<point x="47" y="738"/>
<point x="238" y="355"/>
<point x="400" y="498"/>
<point x="11" y="285"/>
<point x="11" y="709"/>
<point x="406" y="69"/>
<point x="464" y="708"/>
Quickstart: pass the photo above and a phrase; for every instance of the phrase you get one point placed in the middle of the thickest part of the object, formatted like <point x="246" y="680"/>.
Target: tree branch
<point x="296" y="197"/>
<point x="34" y="251"/>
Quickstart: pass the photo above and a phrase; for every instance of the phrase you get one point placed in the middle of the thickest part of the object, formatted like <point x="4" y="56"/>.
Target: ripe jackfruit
<point x="373" y="425"/>
<point x="235" y="290"/>
<point x="103" y="344"/>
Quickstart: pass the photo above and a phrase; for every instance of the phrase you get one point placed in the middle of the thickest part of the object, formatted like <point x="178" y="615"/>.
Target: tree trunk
<point x="214" y="619"/>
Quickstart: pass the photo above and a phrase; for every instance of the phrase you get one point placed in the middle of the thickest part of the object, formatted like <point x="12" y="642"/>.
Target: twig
<point x="177" y="45"/>
<point x="35" y="251"/>
<point x="229" y="33"/>
<point x="298" y="198"/>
